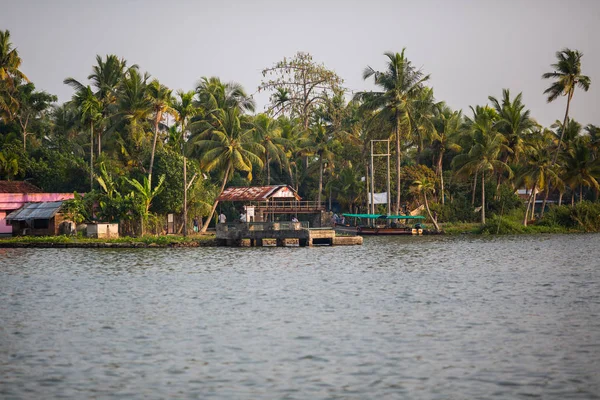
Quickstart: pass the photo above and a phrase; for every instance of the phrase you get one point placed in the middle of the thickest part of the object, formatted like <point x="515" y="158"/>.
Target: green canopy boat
<point x="384" y="228"/>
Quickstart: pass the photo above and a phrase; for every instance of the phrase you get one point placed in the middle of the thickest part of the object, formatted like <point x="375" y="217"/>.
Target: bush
<point x="502" y="225"/>
<point x="584" y="216"/>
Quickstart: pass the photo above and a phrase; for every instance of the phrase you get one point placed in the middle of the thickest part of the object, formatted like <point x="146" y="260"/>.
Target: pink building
<point x="14" y="195"/>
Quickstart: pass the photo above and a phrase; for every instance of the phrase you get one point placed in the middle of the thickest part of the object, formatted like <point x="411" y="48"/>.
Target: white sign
<point x="378" y="198"/>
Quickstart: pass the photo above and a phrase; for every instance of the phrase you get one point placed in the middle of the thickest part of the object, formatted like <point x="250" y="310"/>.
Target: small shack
<point x="273" y="203"/>
<point x="15" y="194"/>
<point x="38" y="219"/>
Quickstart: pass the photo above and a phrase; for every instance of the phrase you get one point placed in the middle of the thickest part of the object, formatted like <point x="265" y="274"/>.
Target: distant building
<point x="14" y="195"/>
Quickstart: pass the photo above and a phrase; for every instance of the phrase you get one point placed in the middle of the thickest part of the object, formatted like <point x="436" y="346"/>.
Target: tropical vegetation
<point x="140" y="150"/>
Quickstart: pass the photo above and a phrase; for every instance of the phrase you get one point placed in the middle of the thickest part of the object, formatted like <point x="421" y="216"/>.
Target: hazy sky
<point x="471" y="48"/>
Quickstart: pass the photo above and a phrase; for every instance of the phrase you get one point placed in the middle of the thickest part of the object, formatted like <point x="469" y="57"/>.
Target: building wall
<point x="10" y="202"/>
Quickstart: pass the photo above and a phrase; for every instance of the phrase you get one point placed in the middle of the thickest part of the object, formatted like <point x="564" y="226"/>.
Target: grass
<point x="147" y="240"/>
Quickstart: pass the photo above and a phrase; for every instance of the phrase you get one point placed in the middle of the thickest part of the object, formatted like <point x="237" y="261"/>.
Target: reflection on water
<point x="399" y="317"/>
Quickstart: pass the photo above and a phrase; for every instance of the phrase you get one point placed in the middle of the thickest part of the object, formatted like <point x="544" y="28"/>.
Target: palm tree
<point x="484" y="154"/>
<point x="424" y="185"/>
<point x="226" y="144"/>
<point x="90" y="113"/>
<point x="10" y="62"/>
<point x="567" y="72"/>
<point x="447" y="125"/>
<point x="106" y="77"/>
<point x="581" y="168"/>
<point x="268" y="134"/>
<point x="514" y="121"/>
<point x="184" y="109"/>
<point x="400" y="84"/>
<point x="216" y="95"/>
<point x="135" y="106"/>
<point x="159" y="96"/>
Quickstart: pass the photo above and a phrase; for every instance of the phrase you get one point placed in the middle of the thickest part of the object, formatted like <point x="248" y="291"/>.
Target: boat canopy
<point x="383" y="216"/>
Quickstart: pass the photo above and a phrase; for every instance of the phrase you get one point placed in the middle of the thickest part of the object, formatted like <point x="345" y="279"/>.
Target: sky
<point x="471" y="48"/>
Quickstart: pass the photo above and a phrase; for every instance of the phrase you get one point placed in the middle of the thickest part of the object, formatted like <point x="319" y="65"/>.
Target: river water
<point x="397" y="318"/>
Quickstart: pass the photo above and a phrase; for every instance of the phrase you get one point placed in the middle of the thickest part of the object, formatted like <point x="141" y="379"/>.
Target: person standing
<point x="195" y="224"/>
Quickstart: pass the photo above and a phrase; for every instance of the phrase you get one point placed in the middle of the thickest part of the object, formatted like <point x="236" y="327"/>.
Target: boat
<point x="401" y="225"/>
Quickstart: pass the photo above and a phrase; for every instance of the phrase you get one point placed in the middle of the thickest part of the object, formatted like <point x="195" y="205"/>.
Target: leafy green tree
<point x="447" y="124"/>
<point x="483" y="155"/>
<point x="32" y="105"/>
<point x="89" y="108"/>
<point x="10" y="62"/>
<point x="160" y="97"/>
<point x="423" y="186"/>
<point x="226" y="144"/>
<point x="184" y="108"/>
<point x="581" y="168"/>
<point x="567" y="75"/>
<point x="268" y="134"/>
<point x="400" y="86"/>
<point x="143" y="195"/>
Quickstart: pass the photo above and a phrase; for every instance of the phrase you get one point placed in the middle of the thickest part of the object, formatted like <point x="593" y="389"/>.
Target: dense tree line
<point x="135" y="146"/>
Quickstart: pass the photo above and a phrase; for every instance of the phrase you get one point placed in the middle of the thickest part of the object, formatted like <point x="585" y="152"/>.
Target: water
<point x="396" y="318"/>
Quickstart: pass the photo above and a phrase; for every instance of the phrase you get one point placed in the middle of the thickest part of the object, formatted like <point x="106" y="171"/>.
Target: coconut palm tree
<point x="184" y="108"/>
<point x="10" y="62"/>
<point x="90" y="112"/>
<point x="581" y="168"/>
<point x="400" y="85"/>
<point x="105" y="78"/>
<point x="447" y="124"/>
<point x="159" y="96"/>
<point x="226" y="143"/>
<point x="484" y="154"/>
<point x="514" y="122"/>
<point x="567" y="75"/>
<point x="424" y="185"/>
<point x="268" y="134"/>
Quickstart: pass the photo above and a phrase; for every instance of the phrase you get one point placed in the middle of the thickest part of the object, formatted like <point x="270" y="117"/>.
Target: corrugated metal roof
<point x="18" y="187"/>
<point x="45" y="210"/>
<point x="253" y="193"/>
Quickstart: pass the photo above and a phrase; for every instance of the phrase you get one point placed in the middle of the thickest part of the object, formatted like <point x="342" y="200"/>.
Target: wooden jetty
<point x="280" y="233"/>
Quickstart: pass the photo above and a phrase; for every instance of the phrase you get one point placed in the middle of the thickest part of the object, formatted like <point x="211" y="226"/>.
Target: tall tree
<point x="185" y="108"/>
<point x="299" y="86"/>
<point x="10" y="62"/>
<point x="105" y="78"/>
<point x="226" y="144"/>
<point x="159" y="96"/>
<point x="268" y="134"/>
<point x="447" y="125"/>
<point x="567" y="73"/>
<point x="32" y="104"/>
<point x="400" y="85"/>
<point x="89" y="108"/>
<point x="484" y="154"/>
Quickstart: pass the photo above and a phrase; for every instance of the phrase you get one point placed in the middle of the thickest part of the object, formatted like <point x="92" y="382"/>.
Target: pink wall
<point x="13" y="201"/>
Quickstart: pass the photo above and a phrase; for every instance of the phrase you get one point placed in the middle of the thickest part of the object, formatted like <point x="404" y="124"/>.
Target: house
<point x="273" y="202"/>
<point x="37" y="219"/>
<point x="16" y="194"/>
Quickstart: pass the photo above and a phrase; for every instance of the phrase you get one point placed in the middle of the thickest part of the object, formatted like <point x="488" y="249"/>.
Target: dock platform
<point x="281" y="234"/>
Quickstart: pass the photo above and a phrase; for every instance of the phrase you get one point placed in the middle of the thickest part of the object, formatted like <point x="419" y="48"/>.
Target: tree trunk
<point x="214" y="207"/>
<point x="156" y="120"/>
<point x="437" y="228"/>
<point x="474" y="189"/>
<point x="268" y="169"/>
<point x="564" y="127"/>
<point x="320" y="180"/>
<point x="185" y="230"/>
<point x="560" y="196"/>
<point x="99" y="143"/>
<point x="91" y="155"/>
<point x="580" y="194"/>
<point x="398" y="160"/>
<point x="441" y="172"/>
<point x="546" y="194"/>
<point x="482" y="197"/>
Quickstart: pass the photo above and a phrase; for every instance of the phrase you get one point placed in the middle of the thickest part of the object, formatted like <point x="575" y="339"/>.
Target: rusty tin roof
<point x="18" y="187"/>
<point x="256" y="193"/>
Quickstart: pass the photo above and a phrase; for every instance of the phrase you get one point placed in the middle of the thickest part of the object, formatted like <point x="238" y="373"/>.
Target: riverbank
<point x="169" y="241"/>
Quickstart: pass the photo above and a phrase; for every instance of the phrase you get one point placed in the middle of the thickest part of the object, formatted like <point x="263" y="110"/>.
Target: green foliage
<point x="583" y="216"/>
<point x="56" y="171"/>
<point x="502" y="225"/>
<point x="76" y="209"/>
